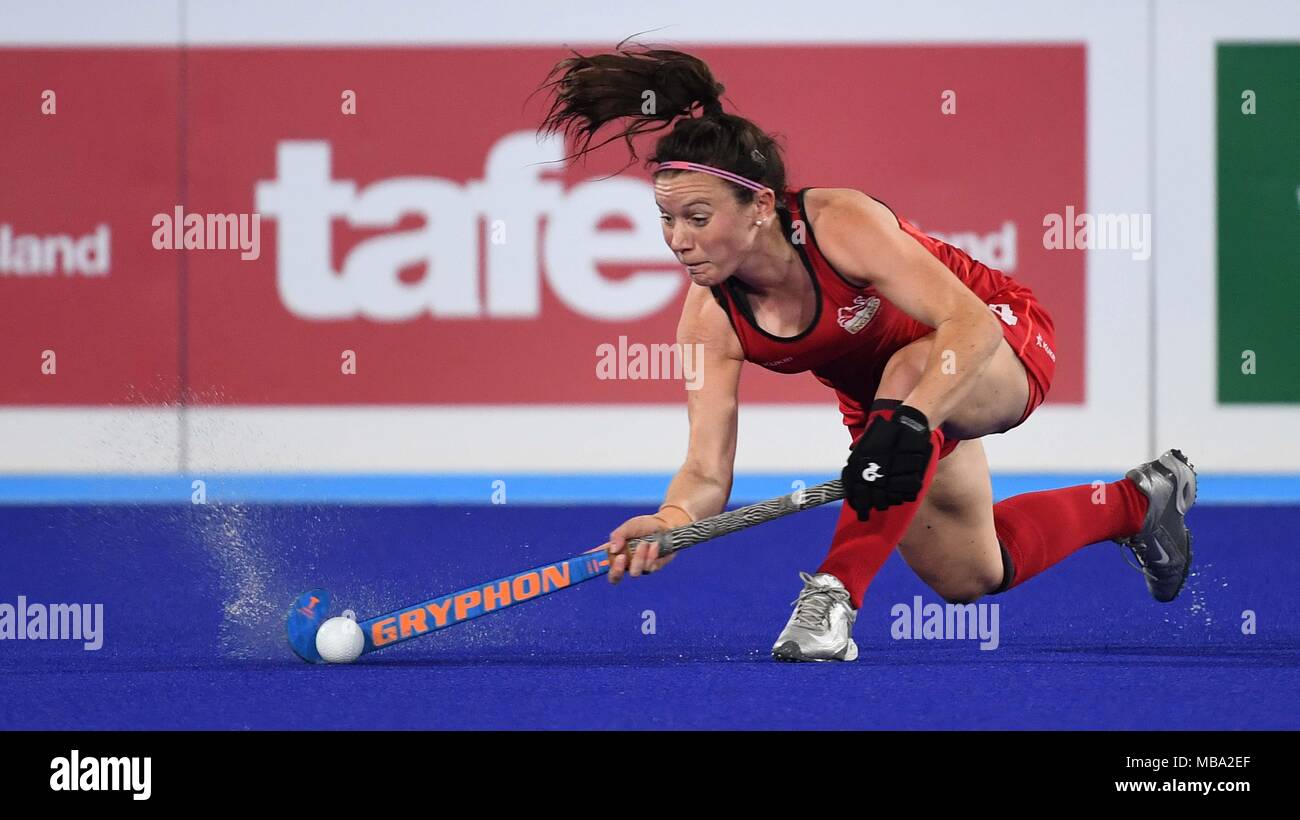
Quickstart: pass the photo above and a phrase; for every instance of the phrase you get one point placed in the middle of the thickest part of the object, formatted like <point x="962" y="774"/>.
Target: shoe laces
<point x="813" y="606"/>
<point x="1132" y="544"/>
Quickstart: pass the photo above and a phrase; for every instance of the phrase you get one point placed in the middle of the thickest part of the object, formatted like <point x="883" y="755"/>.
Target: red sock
<point x="1039" y="529"/>
<point x="859" y="548"/>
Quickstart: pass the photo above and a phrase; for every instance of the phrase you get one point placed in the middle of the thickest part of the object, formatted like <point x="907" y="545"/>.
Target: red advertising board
<point x="89" y="310"/>
<point x="417" y="243"/>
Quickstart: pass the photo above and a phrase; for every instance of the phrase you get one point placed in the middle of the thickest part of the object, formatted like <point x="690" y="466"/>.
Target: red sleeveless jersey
<point x="854" y="330"/>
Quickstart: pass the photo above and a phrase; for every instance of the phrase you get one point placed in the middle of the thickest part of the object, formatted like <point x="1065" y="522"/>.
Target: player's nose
<point x="679" y="241"/>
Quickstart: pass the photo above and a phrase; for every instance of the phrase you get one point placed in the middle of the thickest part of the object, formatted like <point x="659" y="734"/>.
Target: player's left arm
<point x="861" y="239"/>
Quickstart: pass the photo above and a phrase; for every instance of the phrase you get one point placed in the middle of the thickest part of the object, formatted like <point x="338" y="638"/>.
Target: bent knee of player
<point x="966" y="587"/>
<point x="904" y="369"/>
<point x="956" y="577"/>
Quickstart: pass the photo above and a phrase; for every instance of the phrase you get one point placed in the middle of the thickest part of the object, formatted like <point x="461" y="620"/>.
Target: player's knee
<point x="959" y="594"/>
<point x="903" y="371"/>
<point x="967" y="588"/>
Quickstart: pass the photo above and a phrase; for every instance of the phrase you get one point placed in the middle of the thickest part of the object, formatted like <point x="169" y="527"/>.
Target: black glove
<point x="887" y="465"/>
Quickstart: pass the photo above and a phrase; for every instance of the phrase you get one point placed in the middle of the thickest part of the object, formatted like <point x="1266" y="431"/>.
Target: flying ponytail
<point x="646" y="91"/>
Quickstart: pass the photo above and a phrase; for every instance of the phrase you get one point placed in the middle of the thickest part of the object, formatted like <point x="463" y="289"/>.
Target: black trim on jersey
<point x="813" y="237"/>
<point x="891" y="210"/>
<point x="741" y="302"/>
<point x="716" y="290"/>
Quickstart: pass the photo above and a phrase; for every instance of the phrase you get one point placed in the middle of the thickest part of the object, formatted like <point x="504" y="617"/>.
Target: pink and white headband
<point x="680" y="165"/>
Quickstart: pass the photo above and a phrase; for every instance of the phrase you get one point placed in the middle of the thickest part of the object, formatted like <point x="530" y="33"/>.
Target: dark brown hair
<point x="591" y="91"/>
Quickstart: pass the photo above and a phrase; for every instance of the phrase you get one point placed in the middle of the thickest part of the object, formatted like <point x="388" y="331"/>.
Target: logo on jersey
<point x="1004" y="313"/>
<point x="1050" y="353"/>
<point x="854" y="317"/>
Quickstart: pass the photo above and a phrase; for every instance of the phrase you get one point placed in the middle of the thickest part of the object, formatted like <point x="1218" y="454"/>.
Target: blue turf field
<point x="195" y="599"/>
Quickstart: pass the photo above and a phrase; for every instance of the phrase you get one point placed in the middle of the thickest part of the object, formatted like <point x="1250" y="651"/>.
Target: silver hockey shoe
<point x="1163" y="547"/>
<point x="821" y="626"/>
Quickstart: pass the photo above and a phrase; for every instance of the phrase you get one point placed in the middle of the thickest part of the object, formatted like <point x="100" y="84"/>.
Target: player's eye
<point x="697" y="221"/>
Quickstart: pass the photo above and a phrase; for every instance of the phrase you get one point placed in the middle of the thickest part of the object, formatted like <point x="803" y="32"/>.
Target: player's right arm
<point x="702" y="485"/>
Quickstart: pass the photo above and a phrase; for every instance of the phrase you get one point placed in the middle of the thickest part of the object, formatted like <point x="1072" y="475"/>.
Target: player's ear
<point x="764" y="206"/>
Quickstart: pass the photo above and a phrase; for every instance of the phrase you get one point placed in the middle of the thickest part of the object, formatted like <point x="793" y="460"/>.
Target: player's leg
<point x="958" y="539"/>
<point x="964" y="546"/>
<point x="955" y="517"/>
<point x="995" y="403"/>
<point x="820" y="627"/>
<point x="952" y="543"/>
<point x="984" y="548"/>
<point x="955" y="536"/>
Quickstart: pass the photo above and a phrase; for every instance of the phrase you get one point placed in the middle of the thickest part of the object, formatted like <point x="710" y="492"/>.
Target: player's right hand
<point x="646" y="557"/>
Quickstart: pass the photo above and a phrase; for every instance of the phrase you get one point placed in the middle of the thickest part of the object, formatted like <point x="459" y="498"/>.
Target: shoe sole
<point x="1182" y="510"/>
<point x="1183" y="505"/>
<point x="790" y="652"/>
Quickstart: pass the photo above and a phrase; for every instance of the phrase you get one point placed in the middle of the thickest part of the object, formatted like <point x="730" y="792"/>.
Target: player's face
<point x="707" y="230"/>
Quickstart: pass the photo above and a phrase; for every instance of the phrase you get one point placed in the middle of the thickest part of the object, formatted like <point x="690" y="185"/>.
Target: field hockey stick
<point x="312" y="608"/>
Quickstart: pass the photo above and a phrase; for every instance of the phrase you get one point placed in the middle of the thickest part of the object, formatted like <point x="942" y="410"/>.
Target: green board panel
<point x="1258" y="222"/>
